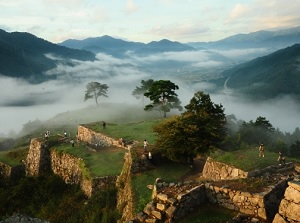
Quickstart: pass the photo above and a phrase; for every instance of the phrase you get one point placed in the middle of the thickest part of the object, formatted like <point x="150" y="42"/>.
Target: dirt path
<point x="196" y="170"/>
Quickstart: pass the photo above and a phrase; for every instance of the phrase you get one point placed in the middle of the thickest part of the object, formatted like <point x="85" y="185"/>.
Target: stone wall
<point x="219" y="171"/>
<point x="125" y="195"/>
<point x="89" y="136"/>
<point x="263" y="205"/>
<point x="215" y="170"/>
<point x="172" y="202"/>
<point x="38" y="158"/>
<point x="41" y="159"/>
<point x="11" y="172"/>
<point x="67" y="166"/>
<point x="289" y="209"/>
<point x="73" y="171"/>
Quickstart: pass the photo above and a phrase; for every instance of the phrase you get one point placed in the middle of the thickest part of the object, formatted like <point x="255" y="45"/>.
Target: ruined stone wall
<point x="11" y="172"/>
<point x="219" y="171"/>
<point x="263" y="205"/>
<point x="87" y="135"/>
<point x="289" y="209"/>
<point x="73" y="171"/>
<point x="172" y="202"/>
<point x="67" y="166"/>
<point x="215" y="170"/>
<point x="125" y="195"/>
<point x="37" y="161"/>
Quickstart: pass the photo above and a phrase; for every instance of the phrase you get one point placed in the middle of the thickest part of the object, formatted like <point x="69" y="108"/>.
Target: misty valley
<point x="221" y="98"/>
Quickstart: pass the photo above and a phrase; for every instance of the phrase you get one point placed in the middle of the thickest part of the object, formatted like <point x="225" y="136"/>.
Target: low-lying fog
<point x="21" y="102"/>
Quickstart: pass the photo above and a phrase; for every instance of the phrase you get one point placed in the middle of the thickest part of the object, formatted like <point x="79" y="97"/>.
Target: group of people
<point x="47" y="134"/>
<point x="281" y="158"/>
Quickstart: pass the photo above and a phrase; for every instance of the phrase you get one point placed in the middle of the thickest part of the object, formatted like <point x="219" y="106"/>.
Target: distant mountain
<point x="119" y="48"/>
<point x="25" y="55"/>
<point x="268" y="76"/>
<point x="268" y="39"/>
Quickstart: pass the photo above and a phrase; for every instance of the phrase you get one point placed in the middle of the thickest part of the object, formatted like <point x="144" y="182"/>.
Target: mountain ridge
<point x="23" y="54"/>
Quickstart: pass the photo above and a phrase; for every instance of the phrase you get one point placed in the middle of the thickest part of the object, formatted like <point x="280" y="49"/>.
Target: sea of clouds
<point x="21" y="101"/>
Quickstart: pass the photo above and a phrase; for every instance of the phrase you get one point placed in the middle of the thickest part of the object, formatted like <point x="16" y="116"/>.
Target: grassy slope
<point x="247" y="159"/>
<point x="100" y="163"/>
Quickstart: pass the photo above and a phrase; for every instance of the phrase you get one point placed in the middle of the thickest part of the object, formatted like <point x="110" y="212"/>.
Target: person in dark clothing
<point x="281" y="158"/>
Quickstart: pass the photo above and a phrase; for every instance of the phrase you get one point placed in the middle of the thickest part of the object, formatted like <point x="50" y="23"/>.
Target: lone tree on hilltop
<point x="163" y="96"/>
<point x="95" y="90"/>
<point x="198" y="130"/>
<point x="138" y="92"/>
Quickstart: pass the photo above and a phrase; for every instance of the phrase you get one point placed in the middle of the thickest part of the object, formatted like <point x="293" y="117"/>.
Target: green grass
<point x="168" y="171"/>
<point x="101" y="163"/>
<point x="131" y="131"/>
<point x="209" y="213"/>
<point x="13" y="157"/>
<point x="246" y="159"/>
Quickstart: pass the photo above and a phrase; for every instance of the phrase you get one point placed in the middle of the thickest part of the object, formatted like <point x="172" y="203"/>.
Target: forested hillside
<point x="27" y="56"/>
<point x="269" y="76"/>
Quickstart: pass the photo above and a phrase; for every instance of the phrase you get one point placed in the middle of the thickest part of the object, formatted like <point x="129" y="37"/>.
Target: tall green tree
<point x="253" y="133"/>
<point x="138" y="92"/>
<point x="95" y="90"/>
<point x="163" y="97"/>
<point x="198" y="130"/>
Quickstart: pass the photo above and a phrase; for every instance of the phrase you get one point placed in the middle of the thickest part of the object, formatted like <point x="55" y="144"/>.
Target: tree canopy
<point x="138" y="92"/>
<point x="95" y="90"/>
<point x="163" y="97"/>
<point x="198" y="130"/>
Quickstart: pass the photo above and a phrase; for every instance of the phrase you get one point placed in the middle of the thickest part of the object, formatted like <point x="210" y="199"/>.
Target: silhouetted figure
<point x="65" y="134"/>
<point x="72" y="143"/>
<point x="104" y="124"/>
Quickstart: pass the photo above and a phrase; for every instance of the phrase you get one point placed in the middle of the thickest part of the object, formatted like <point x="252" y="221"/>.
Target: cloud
<point x="178" y="30"/>
<point x="238" y="11"/>
<point x="131" y="7"/>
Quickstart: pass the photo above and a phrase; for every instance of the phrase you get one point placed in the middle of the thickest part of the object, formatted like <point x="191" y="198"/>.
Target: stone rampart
<point x="89" y="136"/>
<point x="41" y="159"/>
<point x="73" y="171"/>
<point x="289" y="208"/>
<point x="38" y="158"/>
<point x="125" y="194"/>
<point x="263" y="205"/>
<point x="215" y="170"/>
<point x="11" y="171"/>
<point x="219" y="171"/>
<point x="172" y="202"/>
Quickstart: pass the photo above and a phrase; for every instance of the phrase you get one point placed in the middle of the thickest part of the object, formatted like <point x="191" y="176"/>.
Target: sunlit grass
<point x="100" y="163"/>
<point x="247" y="159"/>
<point x="13" y="157"/>
<point x="208" y="213"/>
<point x="131" y="131"/>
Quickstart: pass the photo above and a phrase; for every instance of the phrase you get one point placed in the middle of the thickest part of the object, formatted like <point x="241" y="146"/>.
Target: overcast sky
<point x="146" y="20"/>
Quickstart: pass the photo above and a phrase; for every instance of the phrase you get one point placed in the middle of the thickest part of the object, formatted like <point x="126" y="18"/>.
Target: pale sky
<point x="146" y="20"/>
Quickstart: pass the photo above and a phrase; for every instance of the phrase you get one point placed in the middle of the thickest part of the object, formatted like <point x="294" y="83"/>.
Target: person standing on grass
<point x="145" y="145"/>
<point x="281" y="158"/>
<point x="261" y="150"/>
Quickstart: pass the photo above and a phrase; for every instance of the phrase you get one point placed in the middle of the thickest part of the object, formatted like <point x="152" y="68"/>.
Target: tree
<point x="95" y="90"/>
<point x="198" y="130"/>
<point x="256" y="132"/>
<point x="138" y="92"/>
<point x="163" y="96"/>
